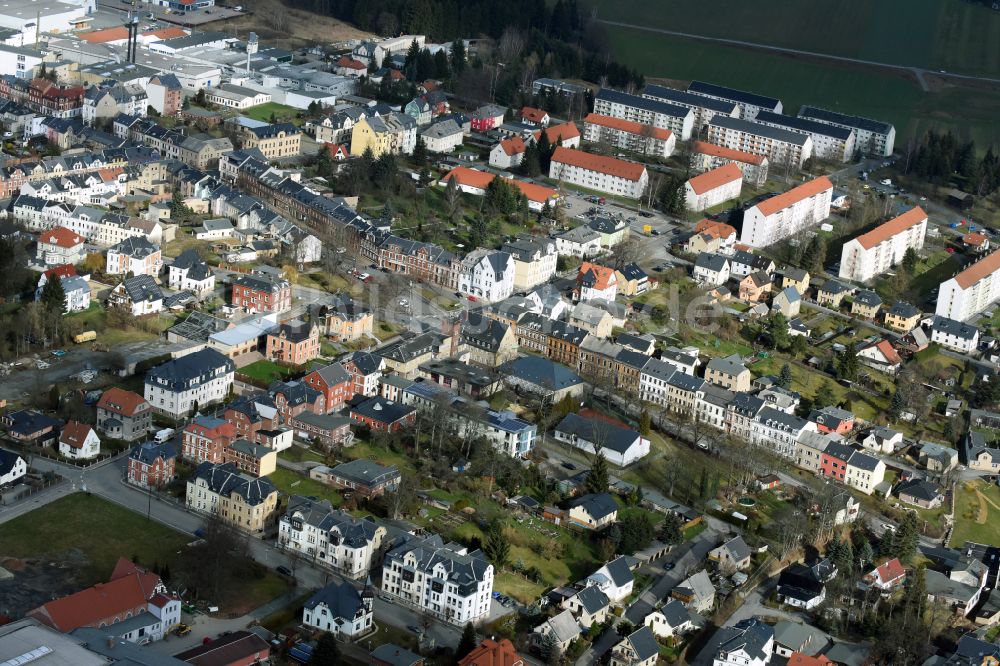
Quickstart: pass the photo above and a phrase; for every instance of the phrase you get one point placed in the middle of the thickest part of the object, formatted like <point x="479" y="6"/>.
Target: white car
<point x="404" y="303"/>
<point x="42" y="365"/>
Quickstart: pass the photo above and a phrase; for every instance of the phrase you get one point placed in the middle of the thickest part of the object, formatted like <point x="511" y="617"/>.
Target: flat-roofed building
<point x="677" y="119"/>
<point x="872" y="137"/>
<point x="830" y="142"/>
<point x="780" y="146"/>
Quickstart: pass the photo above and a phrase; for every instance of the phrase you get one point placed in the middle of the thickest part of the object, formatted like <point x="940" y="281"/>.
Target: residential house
<point x="711" y="269"/>
<point x="249" y="504"/>
<point x="13" y="468"/>
<point x="880" y="355"/>
<point x="335" y="382"/>
<point x="755" y="287"/>
<point x="978" y="454"/>
<point x="885" y="577"/>
<point x="534" y="260"/>
<point x="637" y="649"/>
<point x="696" y="592"/>
<point x="954" y="335"/>
<point x="189" y="272"/>
<point x="734" y="554"/>
<point x="493" y="653"/>
<point x="937" y="458"/>
<point x="123" y="415"/>
<point x="594" y="281"/>
<point x="59" y="246"/>
<point x="747" y="643"/>
<point x="340" y="609"/>
<point x="729" y="373"/>
<point x="619" y="445"/>
<point x="919" y="492"/>
<point x="593" y="511"/>
<point x="799" y="587"/>
<point x="293" y="343"/>
<point x="832" y="294"/>
<point x="139" y="294"/>
<point x="882" y="440"/>
<point x="181" y="385"/>
<point x="632" y="280"/>
<point x="134" y="256"/>
<point x="365" y="477"/>
<point x="487" y="275"/>
<point x="78" y="441"/>
<point x="152" y="465"/>
<point x="711" y="236"/>
<point x="558" y="632"/>
<point x="344" y="319"/>
<point x="206" y="438"/>
<point x="615" y="579"/>
<point x="331" y="537"/>
<point x="788" y="302"/>
<point x="262" y="293"/>
<point x="902" y="317"/>
<point x="590" y="605"/>
<point x="672" y="619"/>
<point x="31" y="428"/>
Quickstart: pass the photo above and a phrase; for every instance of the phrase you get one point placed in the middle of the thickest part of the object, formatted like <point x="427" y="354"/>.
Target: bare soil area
<point x="289" y="28"/>
<point x="38" y="580"/>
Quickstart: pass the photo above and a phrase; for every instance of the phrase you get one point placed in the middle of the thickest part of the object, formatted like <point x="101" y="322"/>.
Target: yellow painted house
<point x="393" y="133"/>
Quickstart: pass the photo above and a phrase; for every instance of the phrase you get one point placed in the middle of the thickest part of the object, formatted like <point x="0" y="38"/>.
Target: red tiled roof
<point x="602" y="274"/>
<point x="799" y="659"/>
<point x="705" y="148"/>
<point x="336" y="149"/>
<point x="119" y="401"/>
<point x="559" y="133"/>
<point x="629" y="126"/>
<point x="347" y="61"/>
<point x="710" y="180"/>
<point x="493" y="653"/>
<point x="107" y="35"/>
<point x="890" y="570"/>
<point x="606" y="165"/>
<point x="481" y="180"/>
<point x="61" y="237"/>
<point x="65" y="270"/>
<point x="513" y="145"/>
<point x="897" y="225"/>
<point x="171" y="32"/>
<point x="974" y="238"/>
<point x="110" y="173"/>
<point x="88" y="607"/>
<point x="532" y="114"/>
<point x="714" y="229"/>
<point x="794" y="195"/>
<point x="74" y="434"/>
<point x="890" y="354"/>
<point x="979" y="270"/>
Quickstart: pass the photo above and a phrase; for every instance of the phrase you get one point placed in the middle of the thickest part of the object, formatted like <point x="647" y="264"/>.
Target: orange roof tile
<point x="629" y="126"/>
<point x="606" y="165"/>
<point x="347" y="61"/>
<point x="100" y="602"/>
<point x="799" y="659"/>
<point x="66" y="270"/>
<point x="602" y="274"/>
<point x="110" y="173"/>
<point x="794" y="195"/>
<point x="705" y="148"/>
<point x="977" y="271"/>
<point x="532" y="114"/>
<point x="891" y="570"/>
<point x="119" y="401"/>
<point x="493" y="653"/>
<point x="74" y="434"/>
<point x="114" y="34"/>
<point x="171" y="32"/>
<point x="533" y="192"/>
<point x="513" y="145"/>
<point x="974" y="238"/>
<point x="481" y="180"/>
<point x="710" y="180"/>
<point x="559" y="133"/>
<point x="61" y="237"/>
<point x="897" y="225"/>
<point x="715" y="229"/>
<point x="888" y="352"/>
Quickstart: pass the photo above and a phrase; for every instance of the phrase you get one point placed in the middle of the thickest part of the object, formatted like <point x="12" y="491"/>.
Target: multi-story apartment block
<point x="781" y="147"/>
<point x="713" y="187"/>
<point x="134" y="256"/>
<point x="705" y="108"/>
<point x="151" y="465"/>
<point x="205" y="438"/>
<point x="662" y="115"/>
<point x="274" y="141"/>
<point x="331" y="537"/>
<point x="604" y="174"/>
<point x="262" y="293"/>
<point x="293" y="343"/>
<point x="194" y="380"/>
<point x="535" y="260"/>
<point x="971" y="291"/>
<point x="487" y="275"/>
<point x="392" y="133"/>
<point x="829" y="142"/>
<point x="443" y="580"/>
<point x="706" y="156"/>
<point x="629" y="135"/>
<point x="786" y="214"/>
<point x="750" y="104"/>
<point x="872" y="137"/>
<point x="878" y="250"/>
<point x="123" y="414"/>
<point x="246" y="503"/>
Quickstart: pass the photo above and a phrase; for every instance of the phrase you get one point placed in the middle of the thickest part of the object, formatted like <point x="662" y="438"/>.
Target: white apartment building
<point x="134" y="256"/>
<point x="748" y="643"/>
<point x="604" y="174"/>
<point x="340" y="608"/>
<point x="705" y="156"/>
<point x="875" y="252"/>
<point x="189" y="272"/>
<point x="19" y="61"/>
<point x="786" y="214"/>
<point x="705" y="108"/>
<point x="330" y="537"/>
<point x="750" y="104"/>
<point x="628" y="135"/>
<point x="780" y="146"/>
<point x="971" y="291"/>
<point x="445" y="581"/>
<point x="872" y="137"/>
<point x="779" y="431"/>
<point x="487" y="274"/>
<point x="954" y="335"/>
<point x="677" y="119"/>
<point x="829" y="142"/>
<point x="59" y="246"/>
<point x="203" y="377"/>
<point x="535" y="261"/>
<point x="713" y="187"/>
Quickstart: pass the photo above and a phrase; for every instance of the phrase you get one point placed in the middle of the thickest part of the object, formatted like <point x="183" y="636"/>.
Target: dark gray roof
<point x="148" y="452"/>
<point x="711" y="261"/>
<point x="732" y="94"/>
<point x="683" y="97"/>
<point x="903" y="309"/>
<point x="342" y="600"/>
<point x="393" y="655"/>
<point x="142" y="288"/>
<point x="592" y="599"/>
<point x="759" y="129"/>
<point x="869" y="298"/>
<point x="804" y="125"/>
<point x="464" y="570"/>
<point x="542" y="372"/>
<point x="619" y="571"/>
<point x="598" y="505"/>
<point x="750" y="636"/>
<point x="190" y="370"/>
<point x="858" y="122"/>
<point x="643" y="103"/>
<point x="778" y="419"/>
<point x="675" y="613"/>
<point x="685" y="382"/>
<point x="382" y="410"/>
<point x="643" y="642"/>
<point x="366" y="472"/>
<point x="225" y="479"/>
<point x="954" y="327"/>
<point x="738" y="548"/>
<point x="919" y="489"/>
<point x="7" y="461"/>
<point x="730" y="365"/>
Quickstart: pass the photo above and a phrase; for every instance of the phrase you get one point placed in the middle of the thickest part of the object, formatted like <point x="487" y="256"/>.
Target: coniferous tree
<point x="597" y="478"/>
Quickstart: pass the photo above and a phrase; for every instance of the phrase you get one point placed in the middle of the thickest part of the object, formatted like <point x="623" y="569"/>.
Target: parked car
<point x="284" y="571"/>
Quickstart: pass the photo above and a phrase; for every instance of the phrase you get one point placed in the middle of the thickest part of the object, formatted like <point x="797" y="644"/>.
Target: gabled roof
<point x="643" y="643"/>
<point x="794" y="195"/>
<point x="979" y="270"/>
<point x="60" y="237"/>
<point x="594" y="276"/>
<point x="606" y="165"/>
<point x="715" y="178"/>
<point x="705" y="148"/>
<point x="493" y="653"/>
<point x="592" y="599"/>
<point x="342" y="600"/>
<point x="597" y="505"/>
<point x="75" y="434"/>
<point x="608" y="435"/>
<point x="897" y="225"/>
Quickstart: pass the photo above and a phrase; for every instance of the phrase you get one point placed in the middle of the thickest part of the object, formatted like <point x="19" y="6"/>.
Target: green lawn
<point x="293" y="483"/>
<point x="977" y="515"/>
<point x="936" y="34"/>
<point x="94" y="319"/>
<point x="282" y="113"/>
<point x="299" y="454"/>
<point x="362" y="449"/>
<point x="517" y="586"/>
<point x="892" y="96"/>
<point x="265" y="371"/>
<point x="101" y="530"/>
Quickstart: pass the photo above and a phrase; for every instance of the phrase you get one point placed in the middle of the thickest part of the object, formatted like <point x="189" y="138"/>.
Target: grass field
<point x="282" y="113"/>
<point x="876" y="93"/>
<point x="933" y="34"/>
<point x="101" y="530"/>
<point x="266" y="371"/>
<point x="293" y="483"/>
<point x="977" y="514"/>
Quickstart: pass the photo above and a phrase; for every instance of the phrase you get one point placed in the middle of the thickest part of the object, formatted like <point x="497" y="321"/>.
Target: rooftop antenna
<point x="251" y="48"/>
<point x="38" y="28"/>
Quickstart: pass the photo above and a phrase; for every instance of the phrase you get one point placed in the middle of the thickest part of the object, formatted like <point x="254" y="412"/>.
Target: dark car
<point x="284" y="571"/>
<point x="645" y="213"/>
<point x="668" y="566"/>
<point x="414" y="628"/>
<point x="568" y="465"/>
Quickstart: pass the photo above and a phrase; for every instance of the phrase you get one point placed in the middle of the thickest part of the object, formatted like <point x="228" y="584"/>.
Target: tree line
<point x="940" y="157"/>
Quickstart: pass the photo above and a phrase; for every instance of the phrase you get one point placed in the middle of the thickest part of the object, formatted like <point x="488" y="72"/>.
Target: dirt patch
<point x="289" y="28"/>
<point x="36" y="581"/>
<point x="983" y="512"/>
